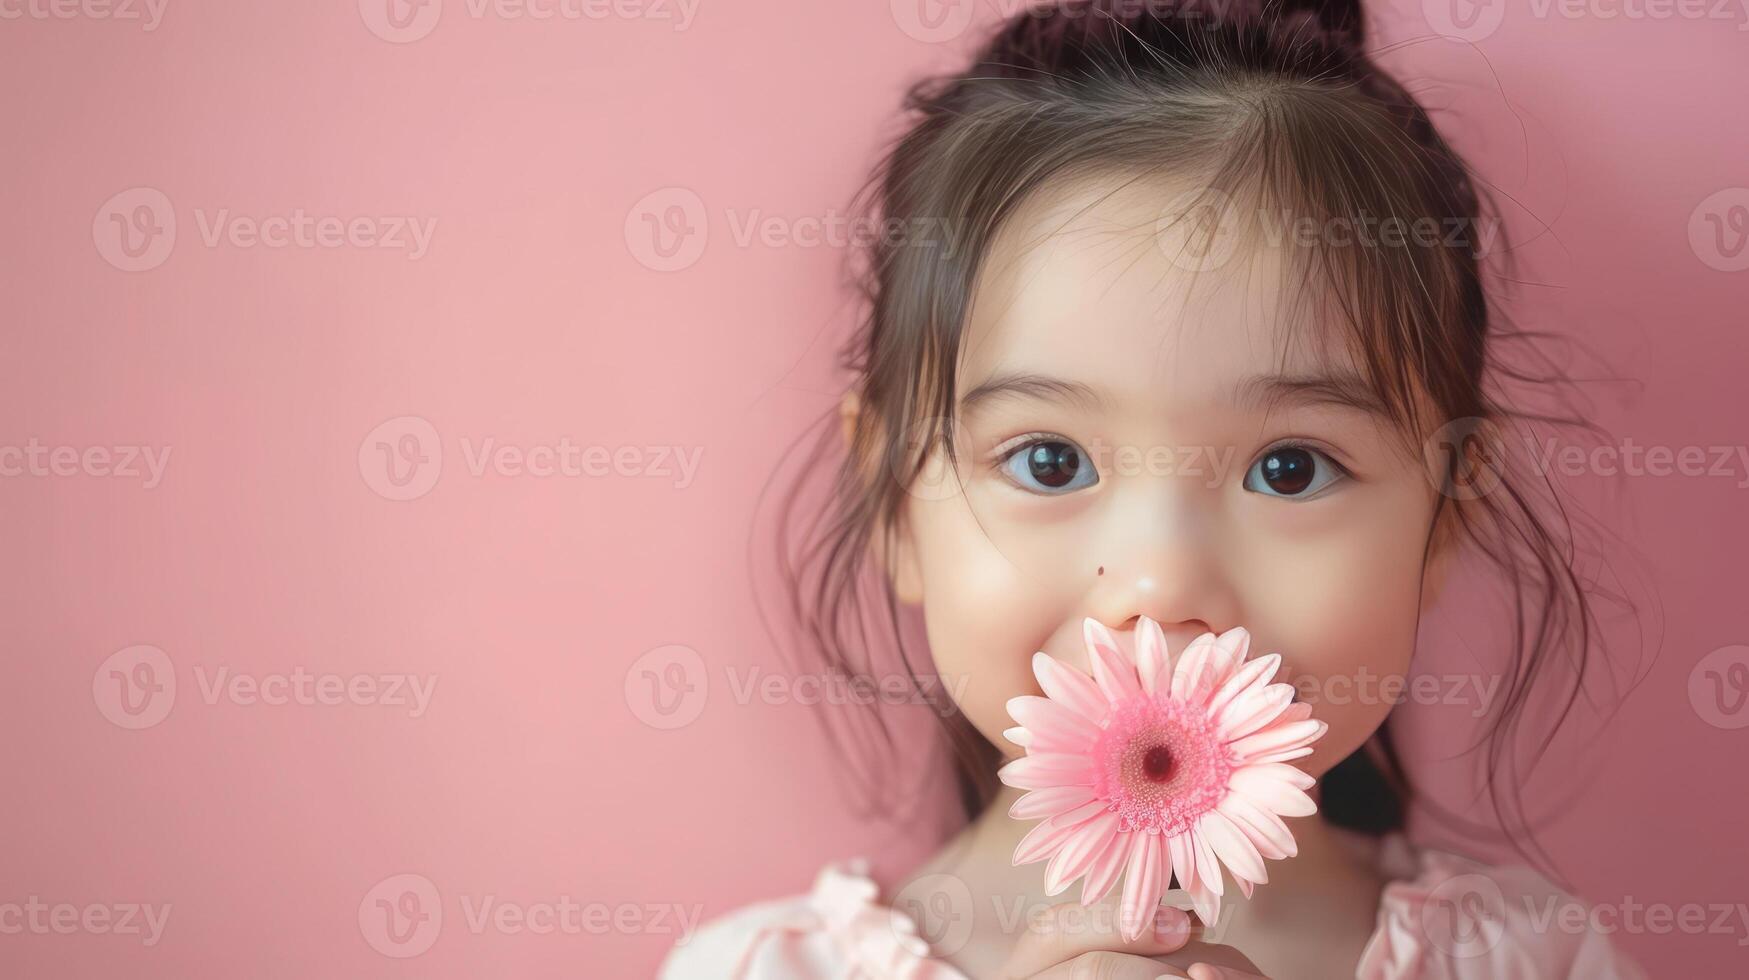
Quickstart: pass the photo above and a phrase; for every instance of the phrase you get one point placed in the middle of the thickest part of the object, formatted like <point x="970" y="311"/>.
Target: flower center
<point x="1157" y="763"/>
<point x="1160" y="764"/>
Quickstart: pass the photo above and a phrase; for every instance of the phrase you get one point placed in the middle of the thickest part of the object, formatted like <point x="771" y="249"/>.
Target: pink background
<point x="535" y="316"/>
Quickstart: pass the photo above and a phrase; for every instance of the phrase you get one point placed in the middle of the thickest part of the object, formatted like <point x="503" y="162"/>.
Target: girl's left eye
<point x="1294" y="472"/>
<point x="1050" y="466"/>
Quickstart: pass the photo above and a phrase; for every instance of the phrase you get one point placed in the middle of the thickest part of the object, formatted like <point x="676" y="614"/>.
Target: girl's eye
<point x="1050" y="466"/>
<point x="1295" y="472"/>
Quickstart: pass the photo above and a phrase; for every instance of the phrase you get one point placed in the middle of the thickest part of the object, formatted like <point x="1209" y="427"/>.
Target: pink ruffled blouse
<point x="841" y="931"/>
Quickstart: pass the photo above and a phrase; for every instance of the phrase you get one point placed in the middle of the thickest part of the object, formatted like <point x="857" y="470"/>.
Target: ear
<point x="1440" y="550"/>
<point x="900" y="565"/>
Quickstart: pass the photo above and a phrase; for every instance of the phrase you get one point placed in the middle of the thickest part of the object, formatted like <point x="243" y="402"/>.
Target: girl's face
<point x="1127" y="454"/>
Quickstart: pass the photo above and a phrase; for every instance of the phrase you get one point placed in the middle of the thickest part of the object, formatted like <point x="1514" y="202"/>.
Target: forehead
<point x="1086" y="280"/>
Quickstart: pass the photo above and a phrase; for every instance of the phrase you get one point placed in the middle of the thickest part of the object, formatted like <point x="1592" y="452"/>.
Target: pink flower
<point x="1149" y="769"/>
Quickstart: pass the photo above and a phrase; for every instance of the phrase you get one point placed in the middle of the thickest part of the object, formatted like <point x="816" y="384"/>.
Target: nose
<point x="1167" y="570"/>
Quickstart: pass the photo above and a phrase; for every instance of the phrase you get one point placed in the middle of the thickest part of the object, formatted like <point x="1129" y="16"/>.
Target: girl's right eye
<point x="1050" y="466"/>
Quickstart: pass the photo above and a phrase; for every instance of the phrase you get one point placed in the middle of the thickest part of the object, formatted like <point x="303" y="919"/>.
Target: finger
<point x="1063" y="932"/>
<point x="1209" y="971"/>
<point x="1212" y="956"/>
<point x="1107" y="965"/>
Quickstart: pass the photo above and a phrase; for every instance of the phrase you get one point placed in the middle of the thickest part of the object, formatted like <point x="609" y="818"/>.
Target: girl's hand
<point x="1070" y="941"/>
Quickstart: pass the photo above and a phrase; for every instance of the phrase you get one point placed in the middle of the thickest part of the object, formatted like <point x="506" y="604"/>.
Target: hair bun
<point x="1337" y="16"/>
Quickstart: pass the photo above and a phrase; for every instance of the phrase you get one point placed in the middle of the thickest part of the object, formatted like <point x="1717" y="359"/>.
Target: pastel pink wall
<point x="272" y="545"/>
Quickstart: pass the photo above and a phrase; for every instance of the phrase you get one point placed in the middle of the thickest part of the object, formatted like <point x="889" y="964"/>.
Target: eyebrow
<point x="1343" y="389"/>
<point x="1026" y="384"/>
<point x="1267" y="391"/>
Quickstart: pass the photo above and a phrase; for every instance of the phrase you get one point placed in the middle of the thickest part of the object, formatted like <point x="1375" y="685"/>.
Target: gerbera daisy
<point x="1152" y="769"/>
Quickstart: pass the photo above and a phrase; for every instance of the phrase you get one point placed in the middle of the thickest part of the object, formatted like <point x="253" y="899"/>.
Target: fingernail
<point x="1171" y="925"/>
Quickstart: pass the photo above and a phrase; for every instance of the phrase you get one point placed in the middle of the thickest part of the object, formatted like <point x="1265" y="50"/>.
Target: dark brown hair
<point x="1273" y="103"/>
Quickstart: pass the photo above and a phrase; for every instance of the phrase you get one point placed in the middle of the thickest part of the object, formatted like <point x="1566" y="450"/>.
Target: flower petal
<point x="1043" y="840"/>
<point x="1256" y="673"/>
<point x="1193" y="676"/>
<point x="1142" y="886"/>
<point x="1044" y="771"/>
<point x="1018" y="735"/>
<point x="1183" y="860"/>
<point x="1271" y="791"/>
<point x="1105" y="868"/>
<point x="1049" y="802"/>
<point x="1266" y="830"/>
<point x="1252" y="711"/>
<point x="1070" y="688"/>
<point x="1207" y="904"/>
<point x="1151" y="656"/>
<point x="1232" y="847"/>
<point x="1112" y="671"/>
<point x="1079" y="851"/>
<point x="1289" y="736"/>
<point x="1208" y="868"/>
<point x="1232" y="646"/>
<point x="1282" y="755"/>
<point x="1052" y="724"/>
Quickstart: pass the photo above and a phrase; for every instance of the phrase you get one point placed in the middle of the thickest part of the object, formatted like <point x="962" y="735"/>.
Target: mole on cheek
<point x="1102" y="569"/>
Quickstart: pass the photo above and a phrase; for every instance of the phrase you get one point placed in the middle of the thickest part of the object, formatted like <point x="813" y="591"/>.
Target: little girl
<point x="1207" y="281"/>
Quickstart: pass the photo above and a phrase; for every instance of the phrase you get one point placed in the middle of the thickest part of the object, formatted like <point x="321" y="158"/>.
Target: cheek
<point x="985" y="613"/>
<point x="1343" y="610"/>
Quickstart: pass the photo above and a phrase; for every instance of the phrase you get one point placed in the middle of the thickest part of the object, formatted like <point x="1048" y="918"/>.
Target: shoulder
<point x="837" y="929"/>
<point x="1448" y="917"/>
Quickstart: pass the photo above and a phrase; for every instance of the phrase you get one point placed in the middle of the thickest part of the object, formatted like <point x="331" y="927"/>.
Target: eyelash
<point x="1006" y="451"/>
